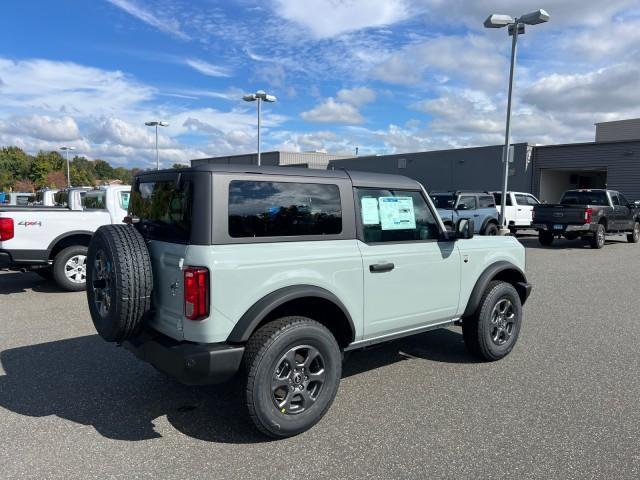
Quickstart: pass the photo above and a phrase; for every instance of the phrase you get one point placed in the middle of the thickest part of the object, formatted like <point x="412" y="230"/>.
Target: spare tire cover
<point x="119" y="281"/>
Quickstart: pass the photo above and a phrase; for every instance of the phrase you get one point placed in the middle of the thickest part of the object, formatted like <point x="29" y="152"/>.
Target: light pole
<point x="156" y="123"/>
<point x="66" y="150"/>
<point x="259" y="96"/>
<point x="515" y="28"/>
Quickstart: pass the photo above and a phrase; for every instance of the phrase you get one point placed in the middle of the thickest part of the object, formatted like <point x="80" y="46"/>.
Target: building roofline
<point x="585" y="143"/>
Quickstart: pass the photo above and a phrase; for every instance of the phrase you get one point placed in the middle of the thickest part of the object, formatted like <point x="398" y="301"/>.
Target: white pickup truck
<point x="52" y="241"/>
<point x="519" y="209"/>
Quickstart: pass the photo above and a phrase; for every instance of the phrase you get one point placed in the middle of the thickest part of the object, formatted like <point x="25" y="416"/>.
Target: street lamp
<point x="156" y="123"/>
<point x="515" y="28"/>
<point x="260" y="96"/>
<point x="66" y="150"/>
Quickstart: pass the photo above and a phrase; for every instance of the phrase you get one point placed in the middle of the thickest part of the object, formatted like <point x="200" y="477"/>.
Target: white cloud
<point x="356" y="96"/>
<point x="42" y="127"/>
<point x="207" y="68"/>
<point x="331" y="111"/>
<point x="329" y="18"/>
<point x="166" y="25"/>
<point x="117" y="131"/>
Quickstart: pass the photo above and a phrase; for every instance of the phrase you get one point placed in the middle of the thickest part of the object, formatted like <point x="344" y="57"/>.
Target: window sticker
<point x="397" y="213"/>
<point x="369" y="207"/>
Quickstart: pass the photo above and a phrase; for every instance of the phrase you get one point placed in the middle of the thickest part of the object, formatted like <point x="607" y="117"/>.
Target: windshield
<point x="443" y="200"/>
<point x="585" y="198"/>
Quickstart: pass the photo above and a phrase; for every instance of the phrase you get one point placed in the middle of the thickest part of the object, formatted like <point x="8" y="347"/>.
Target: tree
<point x="103" y="170"/>
<point x="179" y="165"/>
<point x="24" y="186"/>
<point x="15" y="161"/>
<point x="56" y="180"/>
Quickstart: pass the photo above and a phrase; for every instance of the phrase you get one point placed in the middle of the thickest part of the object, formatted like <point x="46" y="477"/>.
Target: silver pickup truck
<point x="272" y="273"/>
<point x="52" y="241"/>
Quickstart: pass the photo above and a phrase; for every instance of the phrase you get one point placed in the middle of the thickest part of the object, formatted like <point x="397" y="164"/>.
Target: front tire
<point x="545" y="238"/>
<point x="292" y="372"/>
<point x="492" y="331"/>
<point x="634" y="236"/>
<point x="70" y="268"/>
<point x="598" y="238"/>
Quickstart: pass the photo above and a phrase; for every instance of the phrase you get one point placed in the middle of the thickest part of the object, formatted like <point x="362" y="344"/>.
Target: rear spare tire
<point x="119" y="281"/>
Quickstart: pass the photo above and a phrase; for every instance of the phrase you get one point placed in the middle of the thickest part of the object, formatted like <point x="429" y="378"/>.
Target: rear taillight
<point x="196" y="293"/>
<point x="6" y="229"/>
<point x="588" y="215"/>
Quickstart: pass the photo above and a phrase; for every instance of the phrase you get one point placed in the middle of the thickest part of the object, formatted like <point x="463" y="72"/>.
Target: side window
<point x="395" y="216"/>
<point x="614" y="199"/>
<point x="531" y="200"/>
<point x="521" y="199"/>
<point x="623" y="200"/>
<point x="94" y="200"/>
<point x="498" y="198"/>
<point x="468" y="201"/>
<point x="486" y="201"/>
<point x="124" y="200"/>
<point x="283" y="209"/>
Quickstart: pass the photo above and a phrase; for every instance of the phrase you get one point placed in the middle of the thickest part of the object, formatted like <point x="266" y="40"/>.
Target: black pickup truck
<point x="588" y="214"/>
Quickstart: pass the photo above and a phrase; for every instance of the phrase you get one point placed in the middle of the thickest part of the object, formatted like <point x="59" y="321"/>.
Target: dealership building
<point x="611" y="161"/>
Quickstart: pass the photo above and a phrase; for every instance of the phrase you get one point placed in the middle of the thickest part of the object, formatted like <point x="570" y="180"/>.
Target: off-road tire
<point x="59" y="268"/>
<point x="545" y="238"/>
<point x="477" y="329"/>
<point x="598" y="238"/>
<point x="634" y="236"/>
<point x="265" y="351"/>
<point x="491" y="230"/>
<point x="118" y="266"/>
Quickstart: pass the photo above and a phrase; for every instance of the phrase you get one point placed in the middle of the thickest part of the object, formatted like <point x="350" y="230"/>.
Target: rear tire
<point x="292" y="369"/>
<point x="545" y="238"/>
<point x="119" y="281"/>
<point x="492" y="331"/>
<point x="634" y="236"/>
<point x="70" y="268"/>
<point x="598" y="238"/>
<point x="491" y="230"/>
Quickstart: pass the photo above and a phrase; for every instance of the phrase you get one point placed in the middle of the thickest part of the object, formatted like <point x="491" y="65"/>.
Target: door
<point x="622" y="212"/>
<point x="523" y="210"/>
<point x="411" y="278"/>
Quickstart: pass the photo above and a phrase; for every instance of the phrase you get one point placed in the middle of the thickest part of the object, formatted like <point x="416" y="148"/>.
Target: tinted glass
<point x="623" y="200"/>
<point x="395" y="216"/>
<point x="443" y="201"/>
<point x="521" y="199"/>
<point x="486" y="201"/>
<point x="614" y="199"/>
<point x="498" y="198"/>
<point x="532" y="200"/>
<point x="469" y="202"/>
<point x="94" y="200"/>
<point x="22" y="200"/>
<point x="585" y="198"/>
<point x="283" y="209"/>
<point x="164" y="210"/>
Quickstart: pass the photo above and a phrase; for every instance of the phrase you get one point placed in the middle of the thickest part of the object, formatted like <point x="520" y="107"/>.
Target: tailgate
<point x="561" y="214"/>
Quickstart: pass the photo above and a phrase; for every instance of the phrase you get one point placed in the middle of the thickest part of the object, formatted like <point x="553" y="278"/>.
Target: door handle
<point x="519" y="209"/>
<point x="381" y="267"/>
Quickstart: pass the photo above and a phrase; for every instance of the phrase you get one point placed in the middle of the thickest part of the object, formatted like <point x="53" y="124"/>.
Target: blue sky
<point x="382" y="75"/>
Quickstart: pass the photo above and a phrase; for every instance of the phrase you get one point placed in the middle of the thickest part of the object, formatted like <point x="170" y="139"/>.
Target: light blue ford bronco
<point x="270" y="274"/>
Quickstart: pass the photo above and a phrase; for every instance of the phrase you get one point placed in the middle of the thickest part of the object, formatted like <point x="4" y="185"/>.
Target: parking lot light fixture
<point x="260" y="96"/>
<point x="66" y="149"/>
<point x="157" y="123"/>
<point x="515" y="28"/>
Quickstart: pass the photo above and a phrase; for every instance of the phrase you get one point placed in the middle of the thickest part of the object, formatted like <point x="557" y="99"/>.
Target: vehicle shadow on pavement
<point x="564" y="244"/>
<point x="18" y="282"/>
<point x="90" y="382"/>
<point x="441" y="345"/>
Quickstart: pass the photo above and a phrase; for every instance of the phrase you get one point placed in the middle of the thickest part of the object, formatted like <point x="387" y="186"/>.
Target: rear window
<point x="585" y="198"/>
<point x="164" y="209"/>
<point x="94" y="200"/>
<point x="498" y="198"/>
<point x="283" y="209"/>
<point x="443" y="201"/>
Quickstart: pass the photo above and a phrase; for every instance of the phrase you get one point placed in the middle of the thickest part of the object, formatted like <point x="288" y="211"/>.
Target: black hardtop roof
<point x="358" y="179"/>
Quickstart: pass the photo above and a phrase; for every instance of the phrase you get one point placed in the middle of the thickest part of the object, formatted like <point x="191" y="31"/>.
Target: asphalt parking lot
<point x="563" y="405"/>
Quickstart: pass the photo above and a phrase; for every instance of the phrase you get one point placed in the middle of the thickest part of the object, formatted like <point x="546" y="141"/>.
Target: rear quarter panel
<point x="242" y="274"/>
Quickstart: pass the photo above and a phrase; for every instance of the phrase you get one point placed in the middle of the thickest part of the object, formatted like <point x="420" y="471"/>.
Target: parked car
<point x="479" y="206"/>
<point x="519" y="209"/>
<point x="590" y="214"/>
<point x="272" y="273"/>
<point x="52" y="241"/>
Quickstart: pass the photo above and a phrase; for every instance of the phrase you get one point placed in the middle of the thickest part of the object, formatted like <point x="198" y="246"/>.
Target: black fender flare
<point x="259" y="310"/>
<point x="515" y="276"/>
<point x="486" y="222"/>
<point x="55" y="241"/>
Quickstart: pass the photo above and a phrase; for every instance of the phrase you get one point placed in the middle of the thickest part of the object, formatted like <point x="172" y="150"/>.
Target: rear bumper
<point x="189" y="363"/>
<point x="5" y="260"/>
<point x="549" y="227"/>
<point x="23" y="258"/>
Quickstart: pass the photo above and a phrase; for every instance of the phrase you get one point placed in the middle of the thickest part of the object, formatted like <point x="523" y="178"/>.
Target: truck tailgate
<point x="561" y="214"/>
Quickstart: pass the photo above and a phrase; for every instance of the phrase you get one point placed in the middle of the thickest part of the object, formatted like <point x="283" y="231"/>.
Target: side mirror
<point x="464" y="228"/>
<point x="462" y="206"/>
